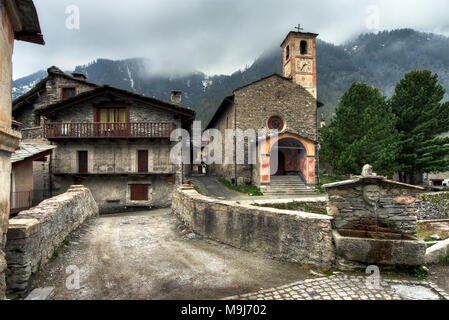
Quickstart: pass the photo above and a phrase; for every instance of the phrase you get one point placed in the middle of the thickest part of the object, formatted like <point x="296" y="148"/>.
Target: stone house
<point x="23" y="192"/>
<point x="115" y="142"/>
<point x="284" y="103"/>
<point x="19" y="21"/>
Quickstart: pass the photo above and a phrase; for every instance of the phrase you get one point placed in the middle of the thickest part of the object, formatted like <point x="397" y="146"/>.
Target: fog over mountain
<point x="379" y="59"/>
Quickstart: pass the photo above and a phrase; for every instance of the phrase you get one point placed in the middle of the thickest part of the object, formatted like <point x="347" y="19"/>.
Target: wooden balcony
<point x="95" y="130"/>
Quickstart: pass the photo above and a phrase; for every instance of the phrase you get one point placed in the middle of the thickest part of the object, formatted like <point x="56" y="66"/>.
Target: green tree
<point x="421" y="118"/>
<point x="362" y="131"/>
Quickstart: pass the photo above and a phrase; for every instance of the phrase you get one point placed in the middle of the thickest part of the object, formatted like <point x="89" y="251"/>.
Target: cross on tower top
<point x="299" y="28"/>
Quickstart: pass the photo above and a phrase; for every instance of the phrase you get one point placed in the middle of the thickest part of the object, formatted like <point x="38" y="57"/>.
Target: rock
<point x="435" y="237"/>
<point x="367" y="170"/>
<point x="191" y="236"/>
<point x="425" y="269"/>
<point x="316" y="274"/>
<point x="404" y="200"/>
<point x="40" y="293"/>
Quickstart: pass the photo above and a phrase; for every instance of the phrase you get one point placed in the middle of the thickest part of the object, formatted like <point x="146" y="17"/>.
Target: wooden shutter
<point x="82" y="162"/>
<point x="143" y="161"/>
<point x="139" y="192"/>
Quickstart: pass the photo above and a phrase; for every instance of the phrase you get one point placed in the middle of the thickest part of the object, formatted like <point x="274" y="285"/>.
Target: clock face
<point x="304" y="66"/>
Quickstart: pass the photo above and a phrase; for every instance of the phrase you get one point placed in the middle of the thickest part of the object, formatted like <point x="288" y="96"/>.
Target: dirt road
<point x="148" y="255"/>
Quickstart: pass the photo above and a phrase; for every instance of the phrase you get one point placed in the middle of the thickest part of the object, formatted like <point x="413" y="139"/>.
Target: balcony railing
<point x="108" y="130"/>
<point x="109" y="167"/>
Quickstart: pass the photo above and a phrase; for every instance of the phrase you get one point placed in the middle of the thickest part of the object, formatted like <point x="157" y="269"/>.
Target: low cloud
<point x="212" y="36"/>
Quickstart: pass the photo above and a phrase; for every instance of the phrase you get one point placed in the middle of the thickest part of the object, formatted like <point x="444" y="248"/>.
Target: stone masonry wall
<point x="115" y="166"/>
<point x="432" y="206"/>
<point x="395" y="212"/>
<point x="35" y="234"/>
<point x="276" y="96"/>
<point x="297" y="237"/>
<point x="31" y="129"/>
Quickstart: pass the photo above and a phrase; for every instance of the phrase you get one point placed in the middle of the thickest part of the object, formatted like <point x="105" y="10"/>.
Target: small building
<point x="286" y="103"/>
<point x="24" y="194"/>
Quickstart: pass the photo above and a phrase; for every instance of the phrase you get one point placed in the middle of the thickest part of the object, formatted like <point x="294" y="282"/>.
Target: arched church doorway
<point x="288" y="158"/>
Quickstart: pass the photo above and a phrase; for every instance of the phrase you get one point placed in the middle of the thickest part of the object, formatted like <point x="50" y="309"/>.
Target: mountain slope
<point x="380" y="59"/>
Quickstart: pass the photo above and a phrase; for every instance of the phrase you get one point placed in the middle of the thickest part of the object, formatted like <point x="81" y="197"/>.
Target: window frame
<point x="64" y="89"/>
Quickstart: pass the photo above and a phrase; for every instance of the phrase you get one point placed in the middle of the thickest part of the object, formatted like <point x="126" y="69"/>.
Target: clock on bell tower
<point x="299" y="59"/>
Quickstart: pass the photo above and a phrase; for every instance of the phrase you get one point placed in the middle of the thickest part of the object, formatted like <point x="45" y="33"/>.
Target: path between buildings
<point x="146" y="255"/>
<point x="209" y="186"/>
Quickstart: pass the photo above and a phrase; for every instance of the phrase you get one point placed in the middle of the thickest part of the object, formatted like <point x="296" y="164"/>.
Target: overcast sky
<point x="213" y="36"/>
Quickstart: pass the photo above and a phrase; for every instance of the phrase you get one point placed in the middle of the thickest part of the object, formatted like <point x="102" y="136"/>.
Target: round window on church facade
<point x="275" y="123"/>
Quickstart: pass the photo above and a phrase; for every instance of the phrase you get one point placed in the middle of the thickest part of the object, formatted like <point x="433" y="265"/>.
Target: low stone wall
<point x="432" y="206"/>
<point x="293" y="236"/>
<point x="35" y="234"/>
<point x="437" y="252"/>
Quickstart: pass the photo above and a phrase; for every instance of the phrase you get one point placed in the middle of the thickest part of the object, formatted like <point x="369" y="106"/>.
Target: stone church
<point x="286" y="103"/>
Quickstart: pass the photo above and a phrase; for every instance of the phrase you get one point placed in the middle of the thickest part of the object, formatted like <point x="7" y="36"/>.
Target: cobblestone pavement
<point x="341" y="287"/>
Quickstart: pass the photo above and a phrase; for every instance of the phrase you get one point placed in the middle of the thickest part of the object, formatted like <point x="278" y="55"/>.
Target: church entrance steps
<point x="289" y="185"/>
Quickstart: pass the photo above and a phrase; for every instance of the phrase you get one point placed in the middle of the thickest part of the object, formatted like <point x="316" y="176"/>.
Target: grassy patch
<point x="425" y="230"/>
<point x="66" y="242"/>
<point x="324" y="179"/>
<point x="55" y="254"/>
<point x="312" y="207"/>
<point x="249" y="190"/>
<point x="197" y="189"/>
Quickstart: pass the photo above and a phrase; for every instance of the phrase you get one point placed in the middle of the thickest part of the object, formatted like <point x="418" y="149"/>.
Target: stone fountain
<point x="375" y="221"/>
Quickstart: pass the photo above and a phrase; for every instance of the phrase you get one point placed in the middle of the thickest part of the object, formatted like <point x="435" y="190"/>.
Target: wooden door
<point x="82" y="162"/>
<point x="139" y="192"/>
<point x="142" y="161"/>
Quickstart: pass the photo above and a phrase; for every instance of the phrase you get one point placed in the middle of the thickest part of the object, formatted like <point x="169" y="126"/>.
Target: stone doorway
<point x="288" y="158"/>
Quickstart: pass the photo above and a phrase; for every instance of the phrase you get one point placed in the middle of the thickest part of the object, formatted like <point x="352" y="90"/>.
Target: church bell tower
<point x="299" y="59"/>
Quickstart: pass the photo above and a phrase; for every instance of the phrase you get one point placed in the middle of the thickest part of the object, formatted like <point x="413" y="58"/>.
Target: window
<point x="275" y="123"/>
<point x="139" y="192"/>
<point x="303" y="47"/>
<point x="287" y="52"/>
<point x="112" y="115"/>
<point x="37" y="120"/>
<point x="83" y="162"/>
<point x="68" y="93"/>
<point x="112" y="119"/>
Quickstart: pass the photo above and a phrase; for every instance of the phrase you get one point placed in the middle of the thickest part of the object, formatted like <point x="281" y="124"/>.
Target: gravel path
<point x="148" y="255"/>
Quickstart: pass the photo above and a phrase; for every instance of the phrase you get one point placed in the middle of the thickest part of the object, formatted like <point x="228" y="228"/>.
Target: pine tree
<point x="363" y="131"/>
<point x="421" y="118"/>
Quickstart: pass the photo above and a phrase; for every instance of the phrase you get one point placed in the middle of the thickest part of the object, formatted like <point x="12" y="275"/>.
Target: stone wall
<point x="35" y="234"/>
<point x="297" y="237"/>
<point x="113" y="168"/>
<point x="350" y="205"/>
<point x="431" y="206"/>
<point x="276" y="96"/>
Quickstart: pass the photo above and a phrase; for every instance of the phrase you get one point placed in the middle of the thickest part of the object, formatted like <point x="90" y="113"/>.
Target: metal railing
<point x="24" y="200"/>
<point x="103" y="166"/>
<point x="108" y="130"/>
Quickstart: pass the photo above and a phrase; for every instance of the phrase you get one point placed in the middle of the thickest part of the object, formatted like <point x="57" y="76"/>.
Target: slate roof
<point x="28" y="150"/>
<point x="100" y="90"/>
<point x="41" y="86"/>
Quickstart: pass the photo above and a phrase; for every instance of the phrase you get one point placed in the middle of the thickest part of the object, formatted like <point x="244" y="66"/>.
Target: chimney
<point x="176" y="97"/>
<point x="79" y="76"/>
